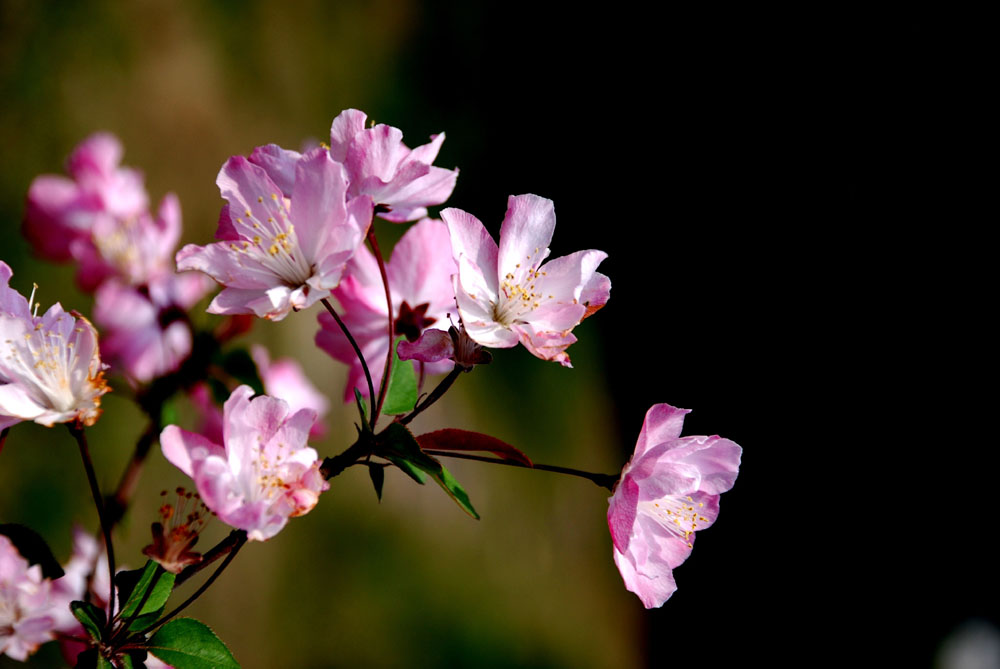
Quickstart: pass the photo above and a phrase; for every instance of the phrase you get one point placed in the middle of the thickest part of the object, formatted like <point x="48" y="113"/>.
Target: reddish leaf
<point x="463" y="440"/>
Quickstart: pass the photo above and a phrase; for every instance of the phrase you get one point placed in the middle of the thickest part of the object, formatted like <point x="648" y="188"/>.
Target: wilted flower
<point x="263" y="474"/>
<point x="177" y="532"/>
<point x="280" y="254"/>
<point x="50" y="367"/>
<point x="668" y="490"/>
<point x="420" y="283"/>
<point x="379" y="165"/>
<point x="506" y="295"/>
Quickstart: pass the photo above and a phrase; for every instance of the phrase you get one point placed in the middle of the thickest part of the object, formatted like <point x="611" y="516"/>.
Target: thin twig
<point x="204" y="586"/>
<point x="354" y="345"/>
<point x="220" y="549"/>
<point x="384" y="386"/>
<point x="435" y="395"/>
<point x="603" y="480"/>
<point x="77" y="431"/>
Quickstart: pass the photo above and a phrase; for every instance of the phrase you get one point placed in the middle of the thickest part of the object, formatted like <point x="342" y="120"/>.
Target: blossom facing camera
<point x="50" y="366"/>
<point x="668" y="491"/>
<point x="506" y="295"/>
<point x="278" y="254"/>
<point x="263" y="474"/>
<point x="380" y="166"/>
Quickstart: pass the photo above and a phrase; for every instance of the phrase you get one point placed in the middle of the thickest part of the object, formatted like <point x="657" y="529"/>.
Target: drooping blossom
<point x="278" y="254"/>
<point x="26" y="619"/>
<point x="379" y="165"/>
<point x="506" y="295"/>
<point x="61" y="211"/>
<point x="147" y="333"/>
<point x="455" y="346"/>
<point x="263" y="473"/>
<point x="668" y="491"/>
<point x="420" y="284"/>
<point x="50" y="366"/>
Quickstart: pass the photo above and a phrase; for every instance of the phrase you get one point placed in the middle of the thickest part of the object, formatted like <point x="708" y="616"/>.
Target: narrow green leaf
<point x="146" y="619"/>
<point x="168" y="413"/>
<point x="456" y="492"/>
<point x="398" y="445"/>
<point x="377" y="474"/>
<point x="161" y="588"/>
<point x="408" y="468"/>
<point x="362" y="407"/>
<point x="126" y="662"/>
<point x="189" y="644"/>
<point x="91" y="617"/>
<point x="402" y="394"/>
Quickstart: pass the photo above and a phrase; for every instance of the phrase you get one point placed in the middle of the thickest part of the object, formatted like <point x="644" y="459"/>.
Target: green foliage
<point x="161" y="585"/>
<point x="186" y="643"/>
<point x="398" y="445"/>
<point x="401" y="396"/>
<point x="91" y="617"/>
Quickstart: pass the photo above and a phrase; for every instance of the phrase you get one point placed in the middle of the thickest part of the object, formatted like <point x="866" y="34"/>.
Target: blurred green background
<point x="410" y="582"/>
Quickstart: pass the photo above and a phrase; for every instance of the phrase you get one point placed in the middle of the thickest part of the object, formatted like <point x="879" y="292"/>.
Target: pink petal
<point x="525" y="234"/>
<point x="663" y="423"/>
<point x="182" y="448"/>
<point x="279" y="164"/>
<point x="348" y="124"/>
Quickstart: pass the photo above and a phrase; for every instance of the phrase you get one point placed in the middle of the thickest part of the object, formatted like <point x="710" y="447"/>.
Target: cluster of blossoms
<point x="292" y="233"/>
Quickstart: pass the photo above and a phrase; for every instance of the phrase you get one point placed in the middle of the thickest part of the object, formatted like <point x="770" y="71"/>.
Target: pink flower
<point x="26" y="619"/>
<point x="146" y="330"/>
<point x="506" y="295"/>
<point x="50" y="367"/>
<point x="419" y="273"/>
<point x="263" y="474"/>
<point x="668" y="490"/>
<point x="280" y="254"/>
<point x="285" y="380"/>
<point x="61" y="211"/>
<point x="379" y="165"/>
<point x="138" y="249"/>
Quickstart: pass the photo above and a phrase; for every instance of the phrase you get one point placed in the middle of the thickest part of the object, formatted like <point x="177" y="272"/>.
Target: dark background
<point x="786" y="199"/>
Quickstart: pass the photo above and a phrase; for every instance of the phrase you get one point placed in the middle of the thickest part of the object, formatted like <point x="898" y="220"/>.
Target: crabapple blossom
<point x="284" y="379"/>
<point x="262" y="474"/>
<point x="62" y="211"/>
<point x="420" y="284"/>
<point x="146" y="329"/>
<point x="379" y="165"/>
<point x="278" y="254"/>
<point x="506" y="295"/>
<point x="26" y="619"/>
<point x="50" y="366"/>
<point x="669" y="489"/>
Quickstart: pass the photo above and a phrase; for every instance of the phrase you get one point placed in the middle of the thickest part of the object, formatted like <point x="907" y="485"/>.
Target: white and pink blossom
<point x="278" y="254"/>
<point x="146" y="329"/>
<point x="507" y="295"/>
<point x="379" y="165"/>
<point x="263" y="473"/>
<point x="26" y="618"/>
<point x="669" y="490"/>
<point x="50" y="366"/>
<point x="420" y="284"/>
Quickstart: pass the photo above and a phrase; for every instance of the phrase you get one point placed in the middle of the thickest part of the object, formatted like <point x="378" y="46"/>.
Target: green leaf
<point x="398" y="445"/>
<point x="187" y="643"/>
<point x="239" y="365"/>
<point x="91" y="617"/>
<point x="362" y="407"/>
<point x="161" y="586"/>
<point x="377" y="474"/>
<point x="402" y="394"/>
<point x="126" y="662"/>
<point x="168" y="413"/>
<point x="408" y="468"/>
<point x="145" y="620"/>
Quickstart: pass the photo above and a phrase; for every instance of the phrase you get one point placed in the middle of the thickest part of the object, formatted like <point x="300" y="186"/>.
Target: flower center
<point x="679" y="514"/>
<point x="274" y="245"/>
<point x="518" y="295"/>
